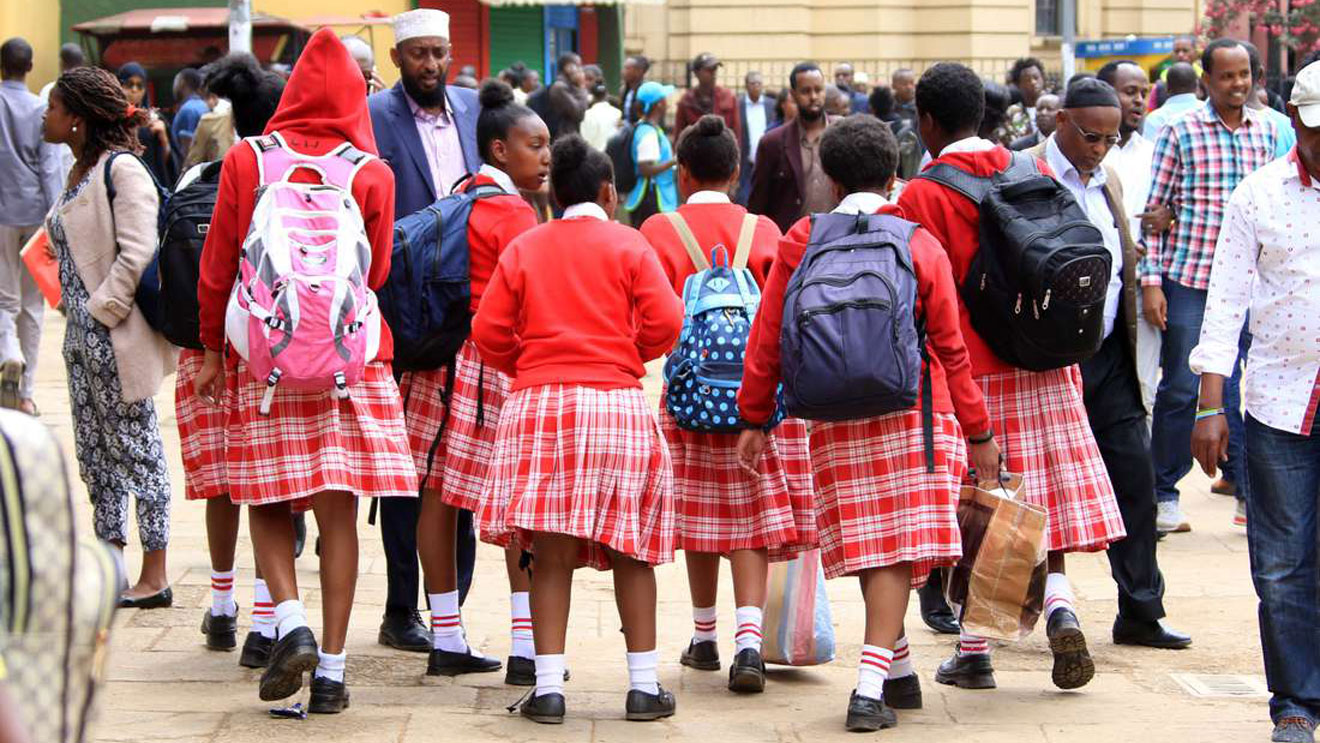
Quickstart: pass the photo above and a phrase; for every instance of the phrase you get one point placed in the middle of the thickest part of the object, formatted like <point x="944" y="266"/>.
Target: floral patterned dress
<point x="118" y="444"/>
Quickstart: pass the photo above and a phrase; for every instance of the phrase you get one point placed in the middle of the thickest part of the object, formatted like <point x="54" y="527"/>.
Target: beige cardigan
<point x="110" y="252"/>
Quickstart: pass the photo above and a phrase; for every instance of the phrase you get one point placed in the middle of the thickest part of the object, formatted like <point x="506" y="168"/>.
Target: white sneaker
<point x="1170" y="518"/>
<point x="1240" y="516"/>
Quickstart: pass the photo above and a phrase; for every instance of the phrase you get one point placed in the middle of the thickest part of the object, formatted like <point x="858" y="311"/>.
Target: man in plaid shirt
<point x="1199" y="160"/>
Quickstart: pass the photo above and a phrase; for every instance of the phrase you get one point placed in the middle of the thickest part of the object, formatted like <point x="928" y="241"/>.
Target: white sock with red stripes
<point x="1058" y="594"/>
<point x="447" y="623"/>
<point x="872" y="670"/>
<point x="222" y="594"/>
<point x="749" y="629"/>
<point x="972" y="645"/>
<point x="520" y="625"/>
<point x="902" y="663"/>
<point x="263" y="610"/>
<point x="703" y="622"/>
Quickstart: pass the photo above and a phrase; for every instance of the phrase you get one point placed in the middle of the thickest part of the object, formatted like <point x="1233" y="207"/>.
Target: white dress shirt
<point x="586" y="209"/>
<point x="1091" y="196"/>
<point x="709" y="197"/>
<point x="754" y="120"/>
<point x="1267" y="261"/>
<point x="860" y="202"/>
<point x="1132" y="162"/>
<point x="501" y="178"/>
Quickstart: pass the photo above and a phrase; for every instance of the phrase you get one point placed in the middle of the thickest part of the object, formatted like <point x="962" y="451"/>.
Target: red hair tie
<point x="131" y="111"/>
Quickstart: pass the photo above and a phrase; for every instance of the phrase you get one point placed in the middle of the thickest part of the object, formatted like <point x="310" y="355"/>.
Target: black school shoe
<point x="520" y="671"/>
<point x="329" y="697"/>
<point x="162" y="600"/>
<point x="747" y="674"/>
<point x="221" y="632"/>
<point x="404" y="631"/>
<point x="1073" y="667"/>
<point x="256" y="651"/>
<point x="547" y="709"/>
<point x="703" y="656"/>
<point x="445" y="663"/>
<point x="967" y="671"/>
<point x="643" y="707"/>
<point x="935" y="610"/>
<point x="291" y="657"/>
<point x="866" y="715"/>
<point x="903" y="693"/>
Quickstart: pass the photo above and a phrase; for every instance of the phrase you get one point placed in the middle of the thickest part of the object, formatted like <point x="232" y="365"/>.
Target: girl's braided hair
<point x="96" y="96"/>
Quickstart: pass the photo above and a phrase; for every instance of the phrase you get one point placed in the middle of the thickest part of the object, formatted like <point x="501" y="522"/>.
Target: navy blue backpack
<point x="427" y="298"/>
<point x="852" y="345"/>
<point x="704" y="371"/>
<point x="148" y="295"/>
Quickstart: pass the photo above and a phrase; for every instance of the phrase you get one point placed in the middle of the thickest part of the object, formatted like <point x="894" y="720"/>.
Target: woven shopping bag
<point x="797" y="627"/>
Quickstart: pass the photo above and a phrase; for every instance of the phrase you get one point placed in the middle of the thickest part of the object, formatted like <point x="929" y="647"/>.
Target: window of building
<point x="1049" y="21"/>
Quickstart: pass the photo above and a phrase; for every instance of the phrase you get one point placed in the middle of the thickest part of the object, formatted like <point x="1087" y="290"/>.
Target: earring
<point x="75" y="127"/>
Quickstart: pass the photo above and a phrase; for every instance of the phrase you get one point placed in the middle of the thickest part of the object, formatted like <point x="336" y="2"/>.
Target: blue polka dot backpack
<point x="704" y="371"/>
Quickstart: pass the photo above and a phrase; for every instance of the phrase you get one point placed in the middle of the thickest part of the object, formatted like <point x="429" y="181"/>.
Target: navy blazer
<point x="400" y="146"/>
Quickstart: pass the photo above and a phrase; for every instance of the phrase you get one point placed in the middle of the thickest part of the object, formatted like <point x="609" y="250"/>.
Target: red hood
<point x="326" y="98"/>
<point x="985" y="163"/>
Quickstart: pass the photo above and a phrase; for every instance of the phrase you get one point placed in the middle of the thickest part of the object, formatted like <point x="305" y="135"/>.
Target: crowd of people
<point x="533" y="434"/>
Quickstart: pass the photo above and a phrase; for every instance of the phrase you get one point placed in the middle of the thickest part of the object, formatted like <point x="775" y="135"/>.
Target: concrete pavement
<point x="165" y="686"/>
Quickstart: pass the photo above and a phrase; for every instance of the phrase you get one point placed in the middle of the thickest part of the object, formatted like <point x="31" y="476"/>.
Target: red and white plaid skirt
<point x="584" y="462"/>
<point x="201" y="431"/>
<point x="720" y="508"/>
<point x="1040" y="423"/>
<point x="878" y="506"/>
<point x="462" y="457"/>
<point x="313" y="442"/>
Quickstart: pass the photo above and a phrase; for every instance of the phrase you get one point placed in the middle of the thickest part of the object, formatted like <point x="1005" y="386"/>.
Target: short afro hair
<point x="1021" y="66"/>
<point x="953" y="95"/>
<point x="1109" y="73"/>
<point x="577" y="171"/>
<point x="859" y="153"/>
<point x="802" y="68"/>
<point x="1208" y="56"/>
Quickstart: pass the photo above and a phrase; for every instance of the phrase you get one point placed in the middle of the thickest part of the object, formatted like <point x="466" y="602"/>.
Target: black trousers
<point x="1118" y="420"/>
<point x="398" y="531"/>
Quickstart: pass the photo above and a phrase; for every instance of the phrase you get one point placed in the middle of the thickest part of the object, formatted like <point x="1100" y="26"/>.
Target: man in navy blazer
<point x="421" y="105"/>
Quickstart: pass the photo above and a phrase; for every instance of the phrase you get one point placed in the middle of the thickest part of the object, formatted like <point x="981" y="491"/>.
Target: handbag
<point x="797" y="626"/>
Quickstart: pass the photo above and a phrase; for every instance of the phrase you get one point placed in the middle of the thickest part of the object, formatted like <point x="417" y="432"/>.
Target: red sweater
<point x="491" y="227"/>
<point x="577" y="301"/>
<point x="955" y="221"/>
<point x="953" y="389"/>
<point x="711" y="224"/>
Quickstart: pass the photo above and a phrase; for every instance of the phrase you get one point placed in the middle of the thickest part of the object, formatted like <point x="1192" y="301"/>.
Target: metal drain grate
<point x="1221" y="685"/>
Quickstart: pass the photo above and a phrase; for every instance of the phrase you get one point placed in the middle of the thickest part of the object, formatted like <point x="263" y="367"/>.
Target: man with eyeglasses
<point x="1089" y="126"/>
<point x="1199" y="159"/>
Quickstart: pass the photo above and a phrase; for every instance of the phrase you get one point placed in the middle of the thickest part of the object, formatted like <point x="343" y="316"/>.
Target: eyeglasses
<point x="1093" y="137"/>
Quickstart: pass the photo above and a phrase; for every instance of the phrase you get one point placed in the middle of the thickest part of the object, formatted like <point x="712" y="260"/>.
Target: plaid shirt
<point x="1198" y="163"/>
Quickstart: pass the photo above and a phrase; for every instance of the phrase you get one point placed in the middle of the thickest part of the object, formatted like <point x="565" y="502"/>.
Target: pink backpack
<point x="301" y="314"/>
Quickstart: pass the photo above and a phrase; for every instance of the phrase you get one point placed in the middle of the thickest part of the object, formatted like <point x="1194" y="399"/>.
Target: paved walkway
<point x="164" y="685"/>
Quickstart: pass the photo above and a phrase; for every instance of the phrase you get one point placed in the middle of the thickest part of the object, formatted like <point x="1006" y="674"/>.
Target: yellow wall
<point x="38" y="22"/>
<point x="380" y="35"/>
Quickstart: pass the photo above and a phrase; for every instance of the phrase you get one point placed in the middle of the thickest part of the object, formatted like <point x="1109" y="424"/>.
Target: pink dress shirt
<point x="444" y="151"/>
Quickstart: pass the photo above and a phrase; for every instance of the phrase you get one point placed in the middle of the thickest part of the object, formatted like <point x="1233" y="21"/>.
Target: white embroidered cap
<point x="420" y="22"/>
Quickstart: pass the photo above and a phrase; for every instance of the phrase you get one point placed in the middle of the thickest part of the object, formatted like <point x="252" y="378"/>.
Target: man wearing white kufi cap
<point x="427" y="133"/>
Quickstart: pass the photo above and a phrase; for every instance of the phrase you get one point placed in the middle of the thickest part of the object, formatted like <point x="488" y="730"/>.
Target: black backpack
<point x="620" y="150"/>
<point x="1036" y="288"/>
<point x="185" y="220"/>
<point x="148" y="295"/>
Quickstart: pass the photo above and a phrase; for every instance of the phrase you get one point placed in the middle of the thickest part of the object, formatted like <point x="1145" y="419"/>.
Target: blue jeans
<point x="1175" y="401"/>
<point x="1282" y="518"/>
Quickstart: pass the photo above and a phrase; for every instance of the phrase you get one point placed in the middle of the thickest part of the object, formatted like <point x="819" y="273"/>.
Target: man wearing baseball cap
<point x="707" y="98"/>
<point x="1267" y="234"/>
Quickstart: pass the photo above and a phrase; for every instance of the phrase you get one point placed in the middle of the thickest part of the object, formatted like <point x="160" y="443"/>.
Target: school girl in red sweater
<point x="452" y="443"/>
<point x="883" y="517"/>
<point x="313" y="445"/>
<point x="720" y="508"/>
<point x="580" y="470"/>
<point x="1040" y="416"/>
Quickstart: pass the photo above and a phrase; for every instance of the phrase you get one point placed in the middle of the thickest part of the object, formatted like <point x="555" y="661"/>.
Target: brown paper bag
<point x="1000" y="581"/>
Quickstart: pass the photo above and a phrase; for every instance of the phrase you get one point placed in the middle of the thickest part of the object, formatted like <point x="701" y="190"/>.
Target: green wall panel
<point x="516" y="36"/>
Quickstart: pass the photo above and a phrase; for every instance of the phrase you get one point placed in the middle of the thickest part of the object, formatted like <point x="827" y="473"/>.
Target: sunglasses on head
<point x="1094" y="137"/>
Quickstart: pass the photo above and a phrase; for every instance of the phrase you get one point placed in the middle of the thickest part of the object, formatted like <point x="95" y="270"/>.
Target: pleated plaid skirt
<point x="586" y="463"/>
<point x="878" y="506"/>
<point x="313" y="442"/>
<point x="201" y="431"/>
<point x="1040" y="423"/>
<point x="456" y="465"/>
<point x="720" y="508"/>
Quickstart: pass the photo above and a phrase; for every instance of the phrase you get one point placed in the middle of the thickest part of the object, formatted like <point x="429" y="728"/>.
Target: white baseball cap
<point x="1306" y="94"/>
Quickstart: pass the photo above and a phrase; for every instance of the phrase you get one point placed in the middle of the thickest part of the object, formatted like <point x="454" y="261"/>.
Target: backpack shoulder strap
<point x="972" y="186"/>
<point x="743" y="251"/>
<point x="688" y="239"/>
<point x="485" y="192"/>
<point x="1021" y="165"/>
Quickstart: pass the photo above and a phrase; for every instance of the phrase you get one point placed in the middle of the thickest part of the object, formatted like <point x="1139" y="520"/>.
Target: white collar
<point x="861" y="202"/>
<point x="970" y="144"/>
<point x="1134" y="140"/>
<point x="1062" y="166"/>
<point x="586" y="209"/>
<point x="709" y="197"/>
<point x="501" y="178"/>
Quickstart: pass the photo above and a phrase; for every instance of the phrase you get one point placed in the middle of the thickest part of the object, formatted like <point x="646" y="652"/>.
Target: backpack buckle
<point x="268" y="398"/>
<point x="1017" y="308"/>
<point x="341" y="386"/>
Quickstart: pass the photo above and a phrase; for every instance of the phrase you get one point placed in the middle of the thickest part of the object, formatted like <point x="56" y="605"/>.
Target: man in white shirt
<point x="1087" y="131"/>
<point x="758" y="113"/>
<point x="1267" y="265"/>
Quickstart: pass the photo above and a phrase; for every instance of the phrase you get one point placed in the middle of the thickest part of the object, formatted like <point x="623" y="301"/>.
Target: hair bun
<point x="495" y="93"/>
<point x="710" y="125"/>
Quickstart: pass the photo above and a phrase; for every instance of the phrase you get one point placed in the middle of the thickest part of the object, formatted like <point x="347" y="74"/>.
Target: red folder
<point x="43" y="267"/>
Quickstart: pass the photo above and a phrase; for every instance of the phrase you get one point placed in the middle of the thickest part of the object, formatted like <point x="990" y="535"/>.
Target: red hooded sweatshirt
<point x="955" y="221"/>
<point x="324" y="105"/>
